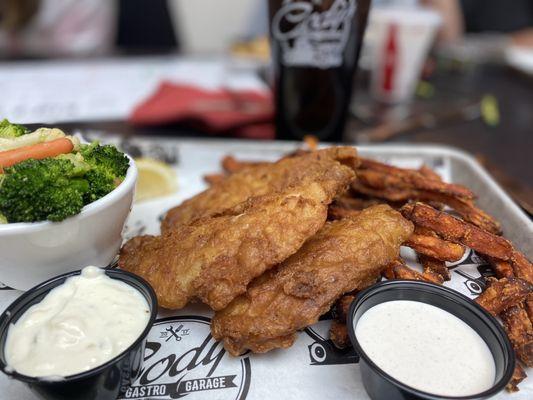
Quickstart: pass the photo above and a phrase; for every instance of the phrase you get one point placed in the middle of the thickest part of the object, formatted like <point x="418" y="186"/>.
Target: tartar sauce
<point x="426" y="347"/>
<point x="78" y="326"/>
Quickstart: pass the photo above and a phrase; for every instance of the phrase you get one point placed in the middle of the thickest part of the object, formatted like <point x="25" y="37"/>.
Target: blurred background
<point x="454" y="72"/>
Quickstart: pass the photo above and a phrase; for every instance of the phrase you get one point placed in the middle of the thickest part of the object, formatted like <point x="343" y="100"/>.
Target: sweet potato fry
<point x="342" y="307"/>
<point x="518" y="376"/>
<point x="464" y="207"/>
<point x="432" y="276"/>
<point x="520" y="331"/>
<point x="457" y="231"/>
<point x="311" y="142"/>
<point x="522" y="267"/>
<point x="381" y="180"/>
<point x="502" y="294"/>
<point x="502" y="269"/>
<point x="432" y="265"/>
<point x="213" y="179"/>
<point x="390" y="187"/>
<point x="338" y="333"/>
<point x="389" y="194"/>
<point x="420" y="230"/>
<point x="429" y="173"/>
<point x="468" y="211"/>
<point x="388" y="272"/>
<point x="435" y="247"/>
<point x="411" y="178"/>
<point x="401" y="271"/>
<point x="529" y="306"/>
<point x="231" y="165"/>
<point x="404" y="272"/>
<point x="393" y="188"/>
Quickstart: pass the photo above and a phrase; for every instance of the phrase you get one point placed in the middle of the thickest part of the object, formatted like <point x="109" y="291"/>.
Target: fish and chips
<point x="272" y="246"/>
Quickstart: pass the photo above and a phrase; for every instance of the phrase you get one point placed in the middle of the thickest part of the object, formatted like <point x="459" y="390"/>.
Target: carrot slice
<point x="36" y="151"/>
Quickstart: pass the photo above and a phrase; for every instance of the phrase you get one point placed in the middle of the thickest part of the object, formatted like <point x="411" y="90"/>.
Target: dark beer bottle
<point x="315" y="47"/>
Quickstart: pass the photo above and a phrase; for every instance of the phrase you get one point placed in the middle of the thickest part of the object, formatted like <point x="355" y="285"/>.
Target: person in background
<point x="145" y="26"/>
<point x="56" y="28"/>
<point x="73" y="28"/>
<point x="514" y="18"/>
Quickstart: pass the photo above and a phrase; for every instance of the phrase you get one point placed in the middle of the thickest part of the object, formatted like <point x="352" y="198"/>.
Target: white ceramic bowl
<point x="31" y="253"/>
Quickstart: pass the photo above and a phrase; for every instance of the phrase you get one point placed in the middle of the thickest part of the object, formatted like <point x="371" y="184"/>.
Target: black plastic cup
<point x="102" y="382"/>
<point x="381" y="386"/>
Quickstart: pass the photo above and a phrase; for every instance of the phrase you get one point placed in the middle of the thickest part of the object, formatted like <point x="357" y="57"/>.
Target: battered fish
<point x="214" y="258"/>
<point x="261" y="179"/>
<point x="344" y="255"/>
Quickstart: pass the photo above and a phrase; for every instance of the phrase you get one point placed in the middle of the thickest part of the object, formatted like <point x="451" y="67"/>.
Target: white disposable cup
<point x="401" y="40"/>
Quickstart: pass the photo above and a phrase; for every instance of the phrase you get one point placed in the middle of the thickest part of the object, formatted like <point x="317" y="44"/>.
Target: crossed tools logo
<point x="183" y="360"/>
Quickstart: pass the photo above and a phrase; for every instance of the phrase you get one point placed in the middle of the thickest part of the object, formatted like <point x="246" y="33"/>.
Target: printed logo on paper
<point x="474" y="271"/>
<point x="183" y="360"/>
<point x="309" y="37"/>
<point x="322" y="351"/>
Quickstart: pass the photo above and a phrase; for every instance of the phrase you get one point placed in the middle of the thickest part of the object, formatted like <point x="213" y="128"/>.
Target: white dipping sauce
<point x="426" y="348"/>
<point x="78" y="326"/>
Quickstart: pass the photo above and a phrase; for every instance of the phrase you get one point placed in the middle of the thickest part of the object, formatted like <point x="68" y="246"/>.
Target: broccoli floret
<point x="108" y="169"/>
<point x="107" y="157"/>
<point x="3" y="219"/>
<point x="9" y="130"/>
<point x="38" y="190"/>
<point x="80" y="166"/>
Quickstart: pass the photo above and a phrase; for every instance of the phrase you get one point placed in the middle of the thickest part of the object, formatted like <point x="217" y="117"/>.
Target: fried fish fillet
<point x="215" y="258"/>
<point x="341" y="257"/>
<point x="261" y="179"/>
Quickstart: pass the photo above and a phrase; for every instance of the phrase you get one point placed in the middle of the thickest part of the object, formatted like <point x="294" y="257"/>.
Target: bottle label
<point x="310" y="37"/>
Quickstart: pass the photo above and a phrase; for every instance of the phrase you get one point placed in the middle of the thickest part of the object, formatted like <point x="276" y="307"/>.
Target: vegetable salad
<point x="48" y="175"/>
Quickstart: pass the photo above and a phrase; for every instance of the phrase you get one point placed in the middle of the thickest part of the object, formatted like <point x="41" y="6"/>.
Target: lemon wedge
<point x="156" y="179"/>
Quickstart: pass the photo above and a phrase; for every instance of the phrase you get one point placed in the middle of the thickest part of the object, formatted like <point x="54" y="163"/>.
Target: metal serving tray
<point x="183" y="360"/>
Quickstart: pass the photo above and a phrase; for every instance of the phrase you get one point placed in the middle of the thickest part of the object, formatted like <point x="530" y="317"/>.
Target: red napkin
<point x="244" y="113"/>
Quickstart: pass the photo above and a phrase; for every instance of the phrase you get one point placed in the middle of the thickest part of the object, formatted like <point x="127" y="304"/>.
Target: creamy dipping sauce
<point x="426" y="348"/>
<point x="79" y="325"/>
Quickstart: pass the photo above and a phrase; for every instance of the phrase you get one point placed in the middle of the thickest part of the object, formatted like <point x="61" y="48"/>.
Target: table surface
<point x="509" y="143"/>
<point x="505" y="149"/>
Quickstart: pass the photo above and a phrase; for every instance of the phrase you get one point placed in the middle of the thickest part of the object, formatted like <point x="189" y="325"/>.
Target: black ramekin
<point x="381" y="386"/>
<point x="102" y="382"/>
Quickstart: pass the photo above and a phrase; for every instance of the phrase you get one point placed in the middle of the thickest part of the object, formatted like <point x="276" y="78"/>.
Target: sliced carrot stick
<point x="36" y="151"/>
